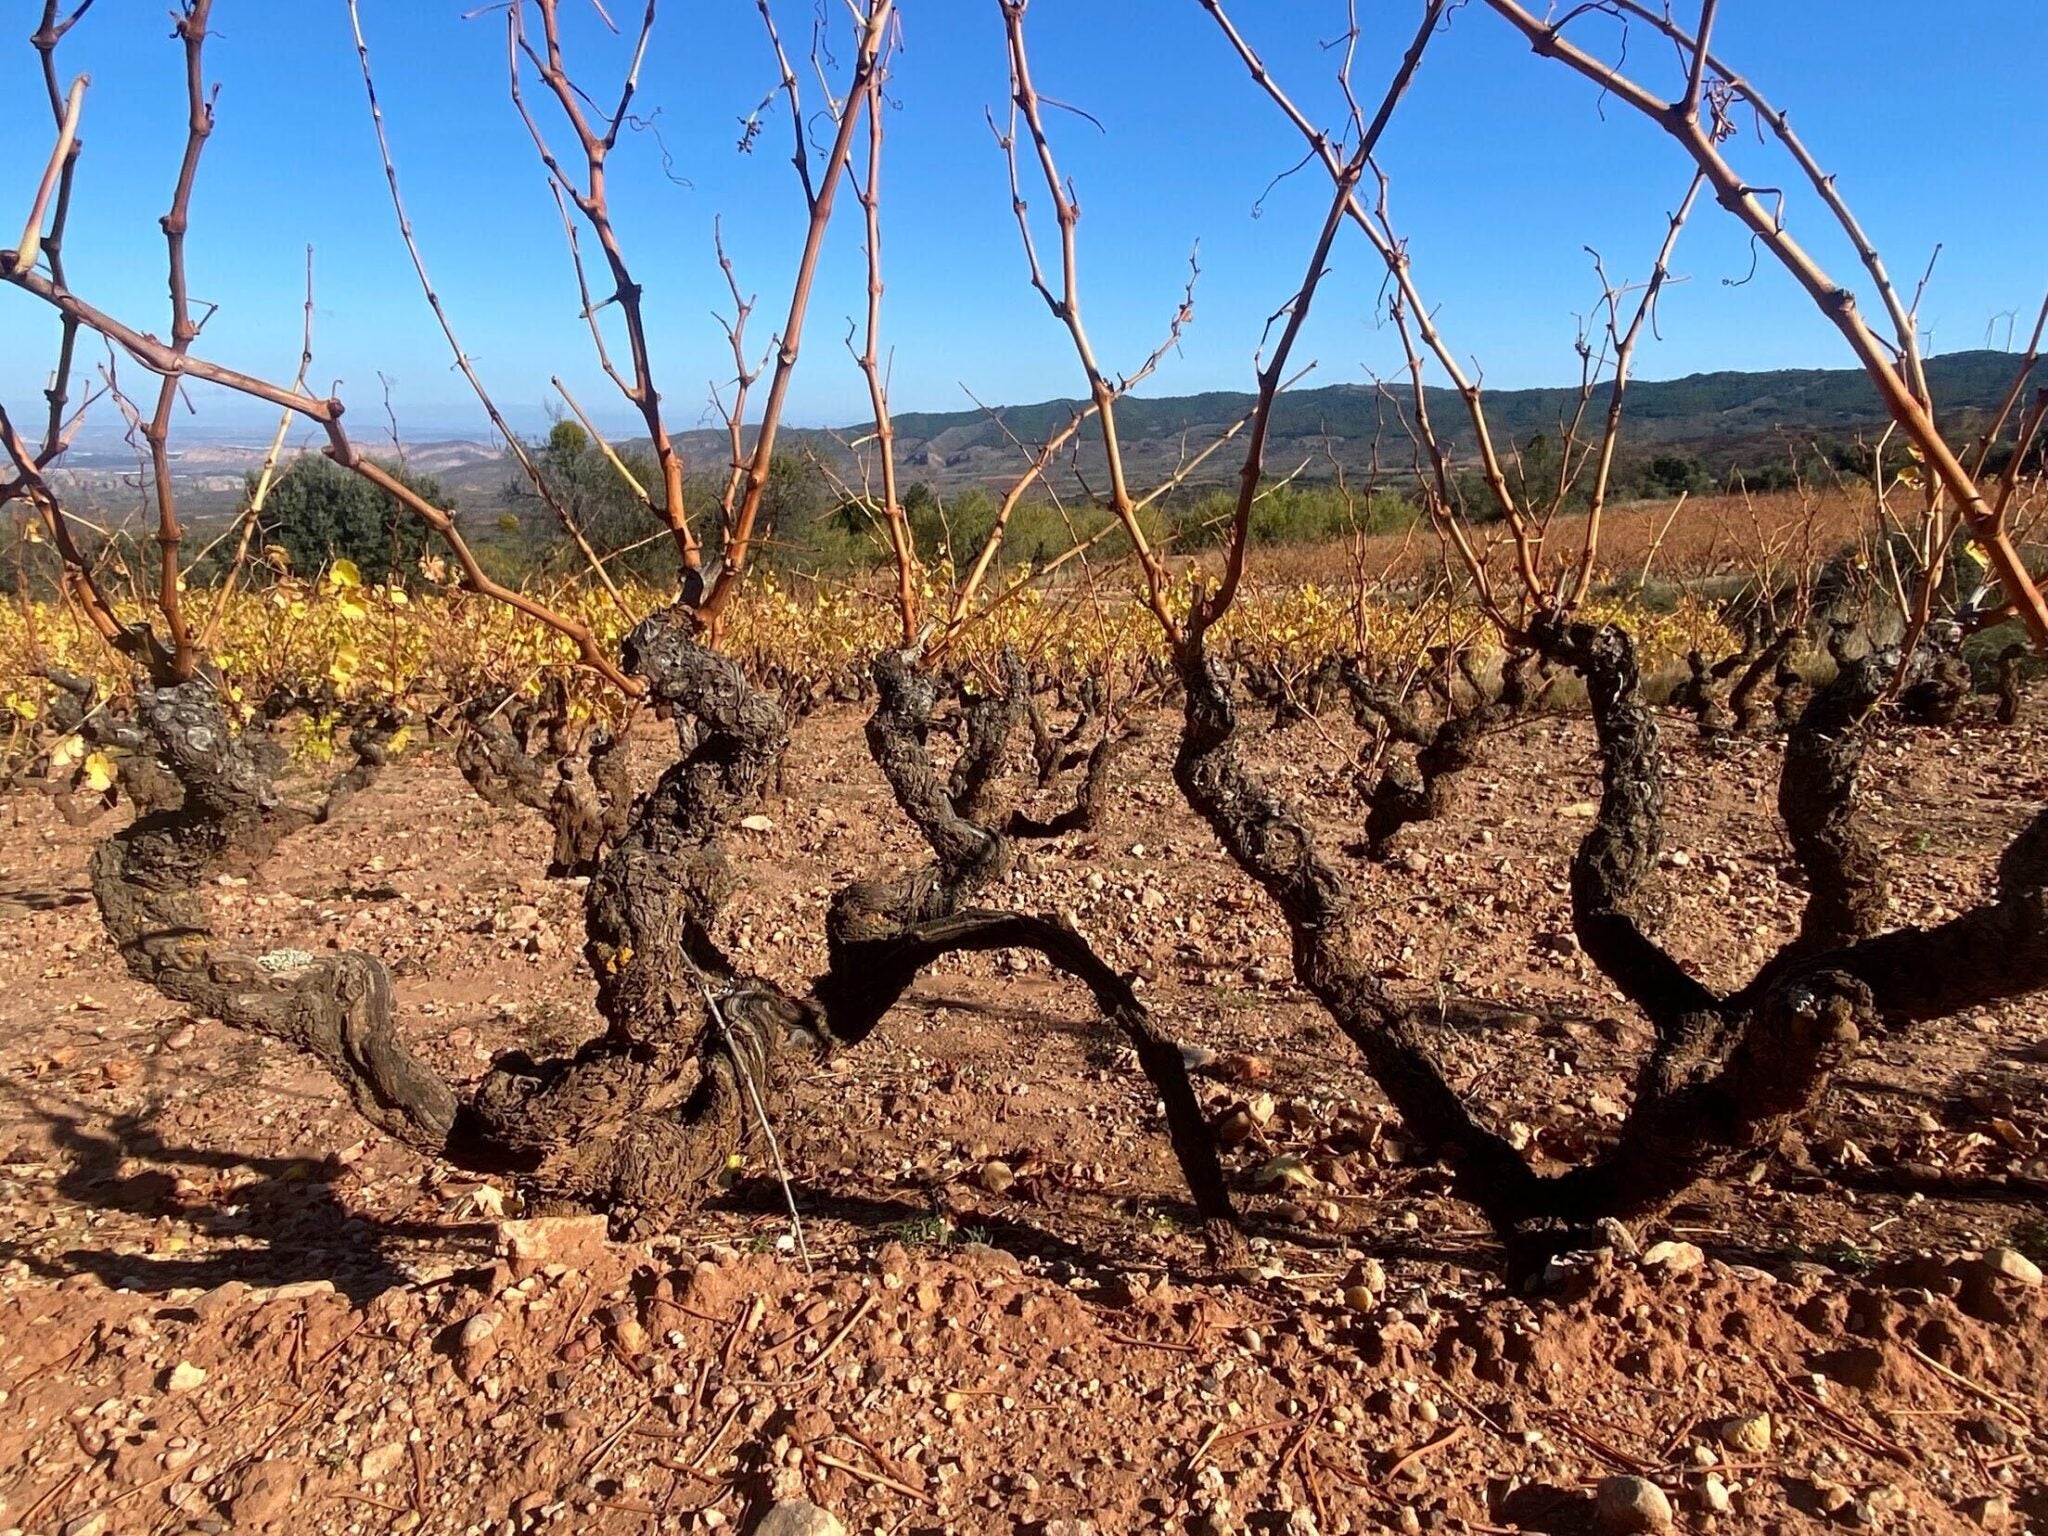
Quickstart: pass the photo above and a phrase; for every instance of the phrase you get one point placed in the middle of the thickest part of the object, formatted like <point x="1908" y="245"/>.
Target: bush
<point x="318" y="513"/>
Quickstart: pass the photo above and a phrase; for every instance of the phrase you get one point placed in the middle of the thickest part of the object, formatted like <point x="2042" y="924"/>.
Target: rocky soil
<point x="227" y="1305"/>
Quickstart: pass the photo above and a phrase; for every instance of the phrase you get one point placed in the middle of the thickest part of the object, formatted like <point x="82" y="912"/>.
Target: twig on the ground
<point x="881" y="1478"/>
<point x="2004" y="1405"/>
<point x="1452" y="1436"/>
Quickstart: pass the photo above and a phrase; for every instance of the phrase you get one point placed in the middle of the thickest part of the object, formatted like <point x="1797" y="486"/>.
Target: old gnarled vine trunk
<point x="639" y="1120"/>
<point x="1725" y="1071"/>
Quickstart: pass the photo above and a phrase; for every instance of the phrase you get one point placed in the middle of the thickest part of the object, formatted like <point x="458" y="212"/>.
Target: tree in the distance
<point x="319" y="513"/>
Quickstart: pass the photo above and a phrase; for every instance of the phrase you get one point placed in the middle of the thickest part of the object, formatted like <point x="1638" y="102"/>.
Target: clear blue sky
<point x="1503" y="171"/>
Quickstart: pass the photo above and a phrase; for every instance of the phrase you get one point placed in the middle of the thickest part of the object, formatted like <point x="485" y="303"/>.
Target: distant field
<point x="1708" y="536"/>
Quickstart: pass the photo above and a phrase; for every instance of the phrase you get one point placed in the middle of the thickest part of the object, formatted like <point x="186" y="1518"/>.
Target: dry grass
<point x="1707" y="537"/>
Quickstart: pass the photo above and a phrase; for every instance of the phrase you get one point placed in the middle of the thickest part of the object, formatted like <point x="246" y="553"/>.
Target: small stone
<point x="1673" y="1258"/>
<point x="995" y="1176"/>
<point x="1627" y="1506"/>
<point x="1992" y="1511"/>
<point x="1747" y="1433"/>
<point x="1287" y="1171"/>
<point x="1369" y="1273"/>
<point x="535" y="1243"/>
<point x="1715" y="1498"/>
<point x="1237" y="1127"/>
<point x="184" y="1377"/>
<point x="757" y="823"/>
<point x="297" y="1290"/>
<point x="629" y="1334"/>
<point x="119" y="1071"/>
<point x="94" y="1524"/>
<point x="798" y="1517"/>
<point x="268" y="1492"/>
<point x="476" y="1344"/>
<point x="1988" y="1431"/>
<point x="379" y="1462"/>
<point x="2011" y="1264"/>
<point x="1833" y="1498"/>
<point x="1618" y="1237"/>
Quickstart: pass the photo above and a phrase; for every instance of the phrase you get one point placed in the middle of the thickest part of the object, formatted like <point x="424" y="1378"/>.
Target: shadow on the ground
<point x="286" y="1223"/>
<point x="29" y="898"/>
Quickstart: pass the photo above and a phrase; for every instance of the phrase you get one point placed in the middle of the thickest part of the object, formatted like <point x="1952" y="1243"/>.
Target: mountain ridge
<point x="1726" y="418"/>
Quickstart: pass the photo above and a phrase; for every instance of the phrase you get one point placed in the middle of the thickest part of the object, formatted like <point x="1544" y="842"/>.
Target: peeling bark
<point x="991" y="719"/>
<point x="1091" y="799"/>
<point x="1704" y="693"/>
<point x="1848" y="888"/>
<point x="638" y="1122"/>
<point x="1271" y="842"/>
<point x="586" y="797"/>
<point x="370" y="740"/>
<point x="1749" y="700"/>
<point x="151" y="881"/>
<point x="1937" y="695"/>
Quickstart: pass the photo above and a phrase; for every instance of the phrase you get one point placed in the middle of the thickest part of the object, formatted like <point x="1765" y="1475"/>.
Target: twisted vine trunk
<point x="586" y="797"/>
<point x="1424" y="787"/>
<point x="150" y="881"/>
<point x="882" y="933"/>
<point x="638" y="1122"/>
<point x="1725" y="1074"/>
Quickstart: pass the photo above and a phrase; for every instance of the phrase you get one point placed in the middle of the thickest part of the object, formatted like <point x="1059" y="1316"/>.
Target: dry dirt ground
<point x="225" y="1304"/>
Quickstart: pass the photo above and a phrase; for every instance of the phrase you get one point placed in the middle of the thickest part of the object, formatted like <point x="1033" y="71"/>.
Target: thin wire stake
<point x="739" y="1061"/>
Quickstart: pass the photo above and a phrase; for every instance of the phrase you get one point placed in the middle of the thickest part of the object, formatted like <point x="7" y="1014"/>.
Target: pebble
<point x="1673" y="1258"/>
<point x="1714" y="1496"/>
<point x="538" y="1241"/>
<point x="629" y="1334"/>
<point x="799" y="1517"/>
<point x="1992" y="1511"/>
<point x="184" y="1377"/>
<point x="1747" y="1433"/>
<point x="1626" y="1506"/>
<point x="2011" y="1264"/>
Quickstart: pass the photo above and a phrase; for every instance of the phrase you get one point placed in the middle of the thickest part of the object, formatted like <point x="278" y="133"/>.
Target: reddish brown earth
<point x="178" y="1199"/>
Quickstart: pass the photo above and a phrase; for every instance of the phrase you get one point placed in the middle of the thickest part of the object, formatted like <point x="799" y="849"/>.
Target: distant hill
<point x="1726" y="420"/>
